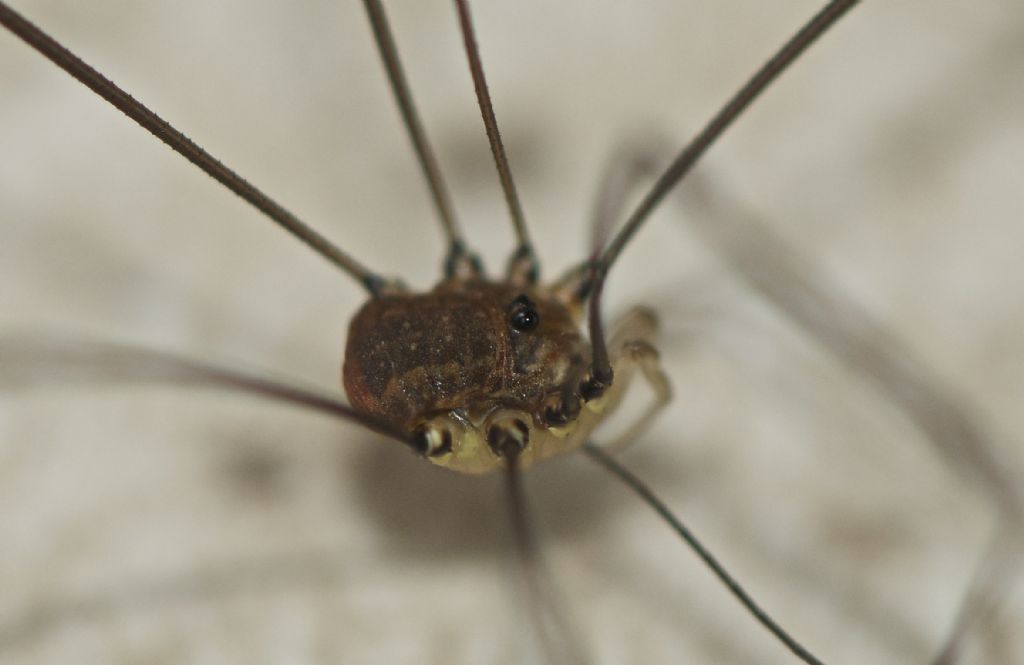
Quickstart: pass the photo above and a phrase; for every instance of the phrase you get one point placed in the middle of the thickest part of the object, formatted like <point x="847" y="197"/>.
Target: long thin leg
<point x="185" y="147"/>
<point x="795" y="285"/>
<point x="601" y="373"/>
<point x="459" y="261"/>
<point x="647" y="496"/>
<point x="523" y="267"/>
<point x="631" y="163"/>
<point x="558" y="640"/>
<point x="28" y="361"/>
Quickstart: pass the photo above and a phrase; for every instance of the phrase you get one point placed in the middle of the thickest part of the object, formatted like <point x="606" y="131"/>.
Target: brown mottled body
<point x="412" y="356"/>
<point x="474" y="369"/>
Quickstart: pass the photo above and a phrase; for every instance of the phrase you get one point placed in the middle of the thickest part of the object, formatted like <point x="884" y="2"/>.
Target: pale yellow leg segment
<point x="633" y="348"/>
<point x="645" y="357"/>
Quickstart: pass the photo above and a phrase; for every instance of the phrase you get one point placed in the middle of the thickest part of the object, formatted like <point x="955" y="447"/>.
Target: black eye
<point x="523" y="314"/>
<point x="524" y="318"/>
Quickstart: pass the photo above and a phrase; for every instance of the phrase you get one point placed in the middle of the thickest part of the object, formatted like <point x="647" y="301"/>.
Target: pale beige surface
<point x="184" y="526"/>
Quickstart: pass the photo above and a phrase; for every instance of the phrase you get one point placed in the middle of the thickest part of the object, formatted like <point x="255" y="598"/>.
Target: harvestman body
<point x="476" y="369"/>
<point x="479" y="374"/>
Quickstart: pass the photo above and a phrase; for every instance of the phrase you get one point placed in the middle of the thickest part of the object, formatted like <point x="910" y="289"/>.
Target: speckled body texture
<point x="412" y="356"/>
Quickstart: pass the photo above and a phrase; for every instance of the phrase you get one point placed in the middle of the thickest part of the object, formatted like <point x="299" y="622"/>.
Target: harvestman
<point x="477" y="374"/>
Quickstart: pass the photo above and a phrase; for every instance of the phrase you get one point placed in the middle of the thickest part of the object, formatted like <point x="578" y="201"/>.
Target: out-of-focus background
<point x="184" y="525"/>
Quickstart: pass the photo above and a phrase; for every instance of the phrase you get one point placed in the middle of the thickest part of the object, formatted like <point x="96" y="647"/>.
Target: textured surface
<point x="186" y="526"/>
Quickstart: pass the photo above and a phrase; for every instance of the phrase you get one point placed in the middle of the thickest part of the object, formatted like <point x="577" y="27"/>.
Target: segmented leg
<point x="633" y="348"/>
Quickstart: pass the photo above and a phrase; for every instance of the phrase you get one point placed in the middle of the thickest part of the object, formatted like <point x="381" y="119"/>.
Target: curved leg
<point x="645" y="357"/>
<point x="632" y="162"/>
<point x="633" y="348"/>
